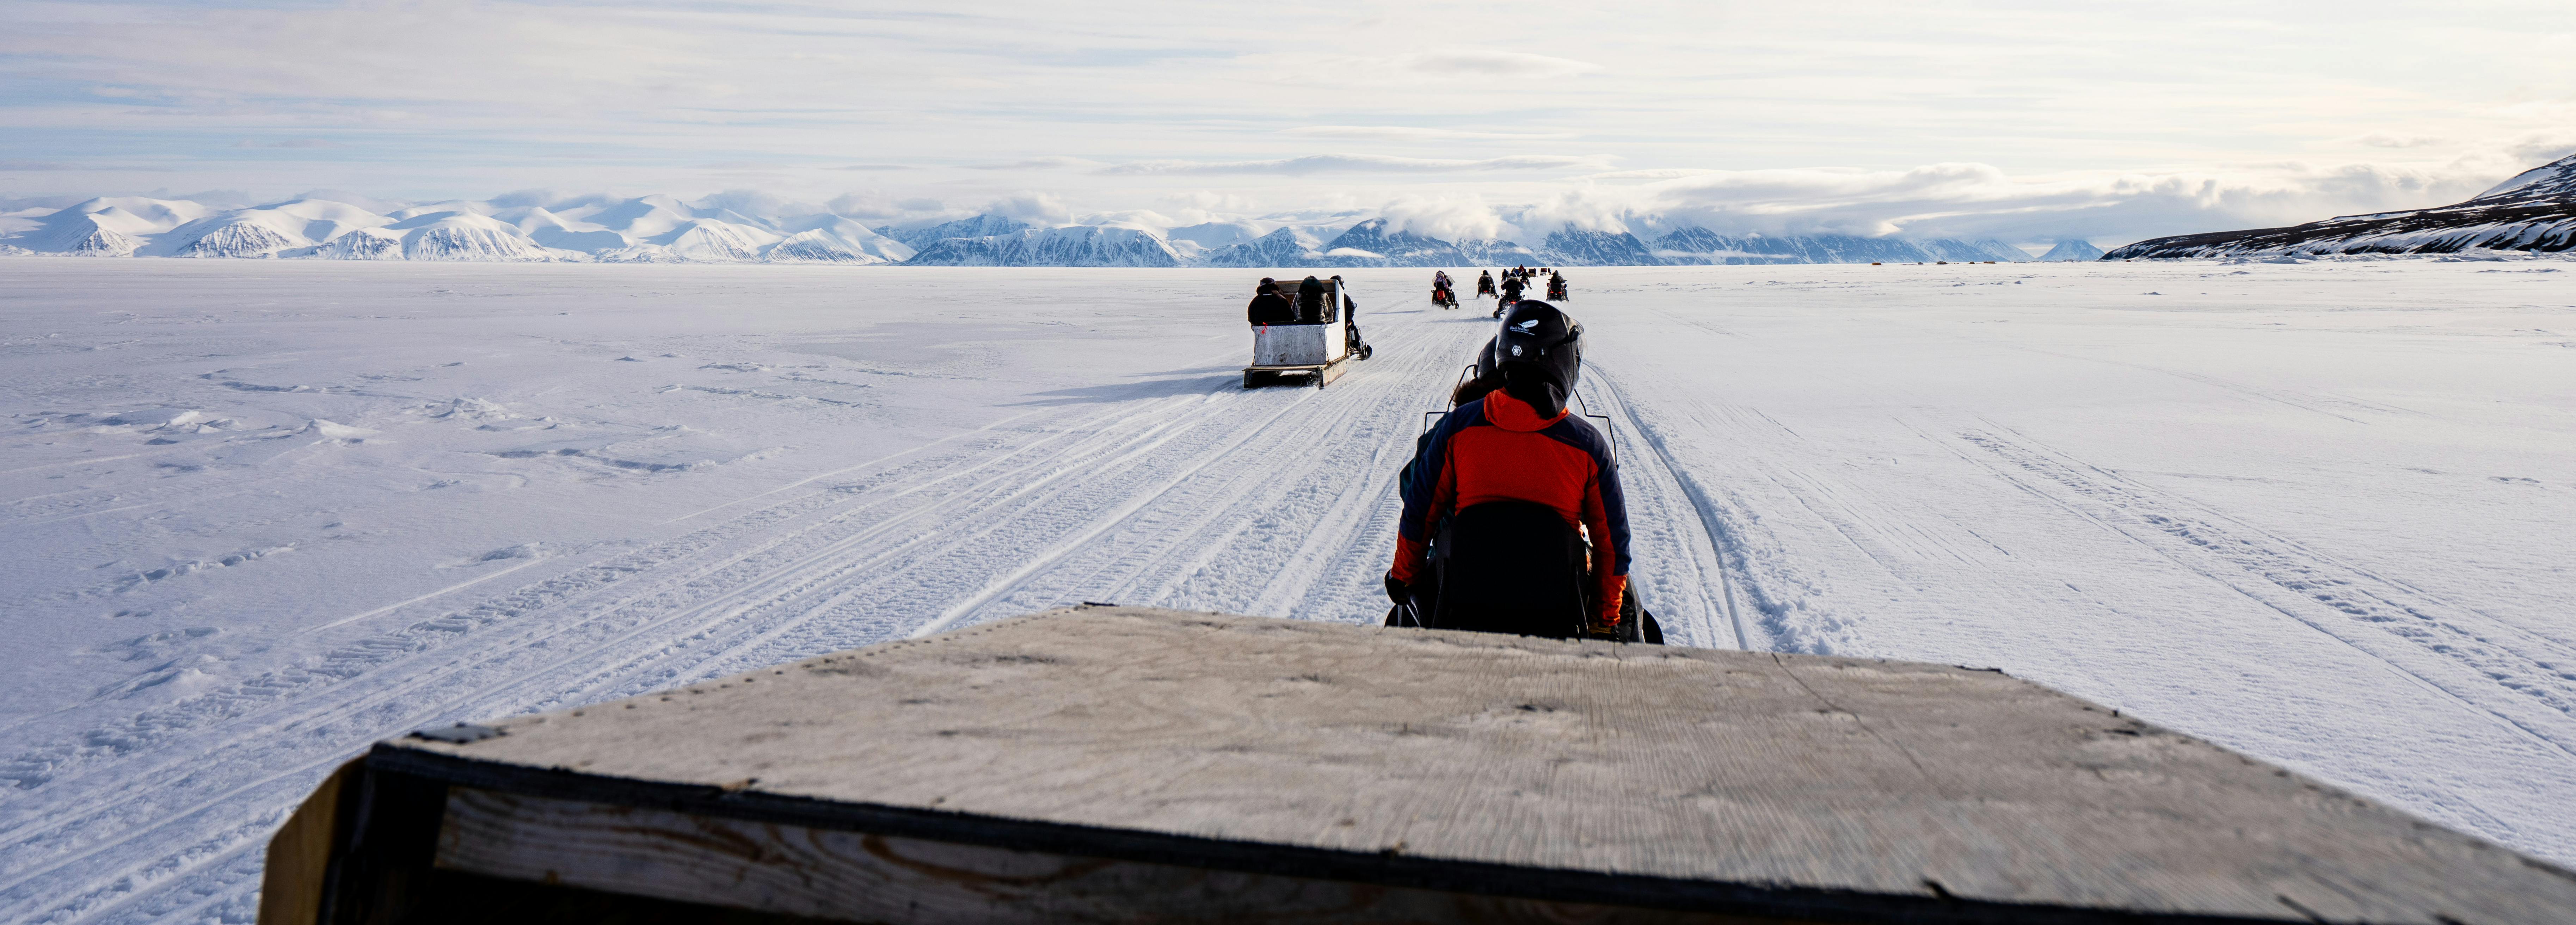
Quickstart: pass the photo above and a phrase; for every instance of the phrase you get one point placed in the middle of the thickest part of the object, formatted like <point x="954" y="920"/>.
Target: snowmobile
<point x="1484" y="286"/>
<point x="1556" y="288"/>
<point x="1444" y="297"/>
<point x="1513" y="566"/>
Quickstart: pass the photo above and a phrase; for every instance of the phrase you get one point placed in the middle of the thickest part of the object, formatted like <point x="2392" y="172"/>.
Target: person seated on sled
<point x="1268" y="306"/>
<point x="1518" y="443"/>
<point x="1556" y="285"/>
<point x="1314" y="306"/>
<point x="1512" y="287"/>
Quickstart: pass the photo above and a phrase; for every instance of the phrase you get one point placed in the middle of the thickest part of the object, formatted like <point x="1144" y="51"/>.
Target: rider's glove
<point x="1397" y="591"/>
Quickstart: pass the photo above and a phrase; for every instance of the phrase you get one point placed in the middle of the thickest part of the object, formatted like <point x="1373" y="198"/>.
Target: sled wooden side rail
<point x="1104" y="764"/>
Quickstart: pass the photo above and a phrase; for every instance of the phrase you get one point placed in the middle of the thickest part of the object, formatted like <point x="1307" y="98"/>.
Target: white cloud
<point x="1361" y="163"/>
<point x="1483" y="62"/>
<point x="1039" y="163"/>
<point x="2541" y="148"/>
<point x="1979" y="200"/>
<point x="1419" y="133"/>
<point x="1128" y="105"/>
<point x="1032" y="207"/>
<point x="2394" y="140"/>
<point x="1450" y="218"/>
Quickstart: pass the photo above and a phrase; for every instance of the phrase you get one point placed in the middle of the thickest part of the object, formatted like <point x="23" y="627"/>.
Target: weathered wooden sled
<point x="1317" y="353"/>
<point x="1126" y="764"/>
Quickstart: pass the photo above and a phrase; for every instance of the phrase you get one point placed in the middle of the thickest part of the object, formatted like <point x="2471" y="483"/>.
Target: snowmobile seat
<point x="1508" y="567"/>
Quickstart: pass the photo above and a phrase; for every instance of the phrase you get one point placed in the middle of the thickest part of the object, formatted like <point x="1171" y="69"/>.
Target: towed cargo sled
<point x="1109" y="764"/>
<point x="1317" y="351"/>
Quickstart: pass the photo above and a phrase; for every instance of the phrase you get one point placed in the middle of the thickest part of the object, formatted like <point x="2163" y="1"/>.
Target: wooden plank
<point x="299" y="855"/>
<point x="855" y="876"/>
<point x="1521" y="767"/>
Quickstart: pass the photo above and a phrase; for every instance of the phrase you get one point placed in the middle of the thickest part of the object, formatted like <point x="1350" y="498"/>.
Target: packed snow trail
<point x="263" y="514"/>
<point x="1277" y="500"/>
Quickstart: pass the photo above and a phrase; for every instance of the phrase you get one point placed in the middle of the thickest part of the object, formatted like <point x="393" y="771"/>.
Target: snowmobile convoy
<point x="1317" y="346"/>
<point x="1517" y="566"/>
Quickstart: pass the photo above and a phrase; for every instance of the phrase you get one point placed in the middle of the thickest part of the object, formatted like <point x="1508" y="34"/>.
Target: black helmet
<point x="1538" y="341"/>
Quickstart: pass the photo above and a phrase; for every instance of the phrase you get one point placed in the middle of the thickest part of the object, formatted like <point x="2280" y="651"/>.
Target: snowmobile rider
<point x="1484" y="283"/>
<point x="1268" y="306"/>
<point x="1512" y="286"/>
<point x="1519" y="443"/>
<point x="1351" y="311"/>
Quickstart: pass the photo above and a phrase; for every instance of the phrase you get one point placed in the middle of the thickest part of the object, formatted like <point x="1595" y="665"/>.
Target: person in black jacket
<point x="1352" y="311"/>
<point x="1312" y="305"/>
<point x="1512" y="286"/>
<point x="1268" y="306"/>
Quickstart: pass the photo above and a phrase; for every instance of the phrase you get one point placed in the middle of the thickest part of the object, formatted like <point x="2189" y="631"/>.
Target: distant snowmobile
<point x="1484" y="285"/>
<point x="1556" y="286"/>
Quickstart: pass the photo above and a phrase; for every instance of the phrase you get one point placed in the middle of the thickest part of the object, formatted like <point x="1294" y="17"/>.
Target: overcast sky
<point x="2030" y="120"/>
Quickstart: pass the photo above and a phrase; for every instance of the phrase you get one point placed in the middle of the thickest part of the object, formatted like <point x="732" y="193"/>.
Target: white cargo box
<point x="1320" y="351"/>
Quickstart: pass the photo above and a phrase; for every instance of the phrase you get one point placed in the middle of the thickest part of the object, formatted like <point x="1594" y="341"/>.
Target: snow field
<point x="262" y="514"/>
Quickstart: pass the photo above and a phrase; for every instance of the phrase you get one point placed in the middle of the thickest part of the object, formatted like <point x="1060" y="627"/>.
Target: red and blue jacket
<point x="1498" y="448"/>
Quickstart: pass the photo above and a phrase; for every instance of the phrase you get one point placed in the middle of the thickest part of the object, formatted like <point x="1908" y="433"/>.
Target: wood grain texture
<point x="854" y="876"/>
<point x="299" y="855"/>
<point x="1758" y="771"/>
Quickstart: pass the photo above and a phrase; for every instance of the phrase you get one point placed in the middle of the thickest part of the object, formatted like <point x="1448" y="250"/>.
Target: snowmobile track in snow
<point x="2427" y="640"/>
<point x="1253" y="501"/>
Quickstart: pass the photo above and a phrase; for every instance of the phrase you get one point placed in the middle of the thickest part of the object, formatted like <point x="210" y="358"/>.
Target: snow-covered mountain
<point x="2555" y="180"/>
<point x="1285" y="247"/>
<point x="641" y="229"/>
<point x="2534" y="211"/>
<point x="1197" y="241"/>
<point x="1369" y="244"/>
<point x="1574" y="247"/>
<point x="1072" y="246"/>
<point x="2072" y="249"/>
<point x="1701" y="246"/>
<point x="108" y="226"/>
<point x="981" y="226"/>
<point x="752" y="228"/>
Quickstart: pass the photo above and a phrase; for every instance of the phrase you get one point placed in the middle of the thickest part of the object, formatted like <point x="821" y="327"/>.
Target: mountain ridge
<point x="740" y="228"/>
<point x="2535" y="211"/>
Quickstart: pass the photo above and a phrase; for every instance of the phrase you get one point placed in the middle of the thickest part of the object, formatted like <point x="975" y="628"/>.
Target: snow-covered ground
<point x="260" y="514"/>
